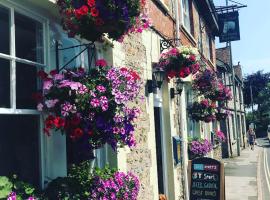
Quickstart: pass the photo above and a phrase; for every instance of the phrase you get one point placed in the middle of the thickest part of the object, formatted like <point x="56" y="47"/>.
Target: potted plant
<point x="92" y="107"/>
<point x="203" y="111"/>
<point x="222" y="113"/>
<point x="91" y="19"/>
<point x="198" y="147"/>
<point x="112" y="184"/>
<point x="204" y="82"/>
<point x="220" y="93"/>
<point x="179" y="62"/>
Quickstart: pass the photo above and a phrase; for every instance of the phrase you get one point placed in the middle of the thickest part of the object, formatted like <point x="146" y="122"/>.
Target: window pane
<point x="4" y="31"/>
<point x="19" y="147"/>
<point x="26" y="86"/>
<point x="29" y="38"/>
<point x="4" y="83"/>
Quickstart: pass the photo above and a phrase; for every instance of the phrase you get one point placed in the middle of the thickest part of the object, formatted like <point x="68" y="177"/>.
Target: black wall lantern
<point x="156" y="82"/>
<point x="179" y="85"/>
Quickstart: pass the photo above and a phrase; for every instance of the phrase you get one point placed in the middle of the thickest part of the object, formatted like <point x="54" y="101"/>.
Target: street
<point x="249" y="174"/>
<point x="264" y="184"/>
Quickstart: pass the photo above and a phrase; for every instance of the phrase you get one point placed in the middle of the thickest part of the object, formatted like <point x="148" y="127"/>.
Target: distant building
<point x="230" y="127"/>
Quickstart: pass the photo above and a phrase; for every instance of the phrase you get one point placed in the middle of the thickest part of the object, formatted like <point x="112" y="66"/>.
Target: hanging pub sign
<point x="229" y="26"/>
<point x="206" y="179"/>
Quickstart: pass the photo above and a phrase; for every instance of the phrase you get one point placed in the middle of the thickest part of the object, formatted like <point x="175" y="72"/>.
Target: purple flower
<point x="95" y="102"/>
<point x="101" y="88"/>
<point x="51" y="103"/>
<point x="47" y="85"/>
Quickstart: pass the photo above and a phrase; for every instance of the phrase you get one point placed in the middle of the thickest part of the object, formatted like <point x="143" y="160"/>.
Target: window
<point x="186" y="15"/>
<point x="200" y="46"/>
<point x="208" y="46"/>
<point x="19" y="147"/>
<point x="192" y="126"/>
<point x="21" y="56"/>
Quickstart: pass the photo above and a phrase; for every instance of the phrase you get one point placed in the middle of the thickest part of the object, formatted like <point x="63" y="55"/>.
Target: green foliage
<point x="64" y="188"/>
<point x="258" y="81"/>
<point x="5" y="187"/>
<point x="105" y="173"/>
<point x="22" y="189"/>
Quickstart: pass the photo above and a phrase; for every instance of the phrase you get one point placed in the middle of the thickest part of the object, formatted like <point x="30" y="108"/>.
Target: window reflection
<point x="19" y="147"/>
<point x="4" y="83"/>
<point x="4" y="31"/>
<point x="26" y="86"/>
<point x="28" y="38"/>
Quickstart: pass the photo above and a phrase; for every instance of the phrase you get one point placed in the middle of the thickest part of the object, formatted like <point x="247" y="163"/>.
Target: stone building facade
<point x="235" y="128"/>
<point x="190" y="22"/>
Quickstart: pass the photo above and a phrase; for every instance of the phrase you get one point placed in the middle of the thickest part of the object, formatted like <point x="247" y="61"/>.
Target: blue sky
<point x="253" y="50"/>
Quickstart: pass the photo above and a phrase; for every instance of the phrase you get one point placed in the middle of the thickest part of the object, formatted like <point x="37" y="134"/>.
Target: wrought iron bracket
<point x="224" y="9"/>
<point x="167" y="43"/>
<point x="89" y="47"/>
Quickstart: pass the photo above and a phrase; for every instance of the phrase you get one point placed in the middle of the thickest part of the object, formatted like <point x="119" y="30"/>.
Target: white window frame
<point x="15" y="7"/>
<point x="186" y="14"/>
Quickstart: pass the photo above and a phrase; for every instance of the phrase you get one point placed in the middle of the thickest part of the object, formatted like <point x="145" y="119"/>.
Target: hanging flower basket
<point x="198" y="148"/>
<point x="222" y="113"/>
<point x="92" y="106"/>
<point x="91" y="19"/>
<point x="179" y="62"/>
<point x="203" y="111"/>
<point x="205" y="82"/>
<point x="220" y="93"/>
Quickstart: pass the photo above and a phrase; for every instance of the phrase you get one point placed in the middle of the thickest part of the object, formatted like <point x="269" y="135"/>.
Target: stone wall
<point x="217" y="153"/>
<point x="139" y="158"/>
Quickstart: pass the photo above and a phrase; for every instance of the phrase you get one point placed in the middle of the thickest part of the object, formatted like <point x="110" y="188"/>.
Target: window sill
<point x="188" y="34"/>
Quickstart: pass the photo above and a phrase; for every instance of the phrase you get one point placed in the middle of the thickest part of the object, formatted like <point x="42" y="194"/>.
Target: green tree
<point x="259" y="83"/>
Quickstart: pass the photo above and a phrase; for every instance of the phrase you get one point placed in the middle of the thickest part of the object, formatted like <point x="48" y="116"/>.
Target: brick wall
<point x="162" y="21"/>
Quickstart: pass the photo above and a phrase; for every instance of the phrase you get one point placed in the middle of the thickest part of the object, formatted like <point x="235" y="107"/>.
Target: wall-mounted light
<point x="156" y="82"/>
<point x="179" y="85"/>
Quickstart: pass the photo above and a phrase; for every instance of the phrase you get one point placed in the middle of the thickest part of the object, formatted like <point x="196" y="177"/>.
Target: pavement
<point x="242" y="175"/>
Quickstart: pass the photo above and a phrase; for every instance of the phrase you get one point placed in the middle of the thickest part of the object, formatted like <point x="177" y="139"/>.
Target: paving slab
<point x="241" y="176"/>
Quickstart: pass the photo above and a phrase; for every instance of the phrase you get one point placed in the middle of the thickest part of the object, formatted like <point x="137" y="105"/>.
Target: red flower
<point x="192" y="58"/>
<point x="75" y="121"/>
<point x="135" y="75"/>
<point x="43" y="75"/>
<point x="171" y="74"/>
<point x="71" y="34"/>
<point x="59" y="122"/>
<point x="99" y="21"/>
<point x="81" y="70"/>
<point x="81" y="11"/>
<point x="101" y="63"/>
<point x="68" y="12"/>
<point x="53" y="72"/>
<point x="123" y="69"/>
<point x="49" y="122"/>
<point x="46" y="131"/>
<point x="91" y="132"/>
<point x="94" y="12"/>
<point x="76" y="133"/>
<point x="184" y="72"/>
<point x="91" y="3"/>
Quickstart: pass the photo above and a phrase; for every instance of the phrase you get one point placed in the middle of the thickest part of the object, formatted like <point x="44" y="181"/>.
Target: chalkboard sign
<point x="206" y="179"/>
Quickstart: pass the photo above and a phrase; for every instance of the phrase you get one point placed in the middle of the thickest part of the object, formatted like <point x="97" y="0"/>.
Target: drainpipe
<point x="184" y="137"/>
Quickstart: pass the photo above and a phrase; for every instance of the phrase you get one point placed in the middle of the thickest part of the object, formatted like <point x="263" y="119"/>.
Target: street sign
<point x="229" y="26"/>
<point x="206" y="179"/>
